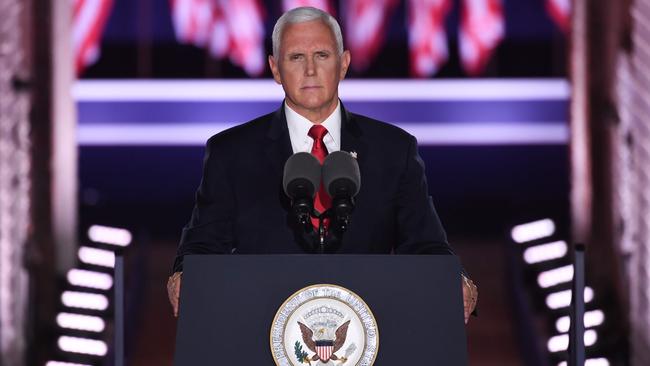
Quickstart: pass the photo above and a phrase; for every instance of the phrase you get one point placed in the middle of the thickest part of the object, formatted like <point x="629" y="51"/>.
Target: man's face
<point x="309" y="68"/>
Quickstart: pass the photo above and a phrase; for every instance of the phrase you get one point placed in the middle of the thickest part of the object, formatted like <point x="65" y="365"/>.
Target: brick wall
<point x="14" y="183"/>
<point x="632" y="176"/>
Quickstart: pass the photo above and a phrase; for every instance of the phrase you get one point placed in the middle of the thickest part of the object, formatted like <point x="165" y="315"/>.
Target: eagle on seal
<point x="324" y="350"/>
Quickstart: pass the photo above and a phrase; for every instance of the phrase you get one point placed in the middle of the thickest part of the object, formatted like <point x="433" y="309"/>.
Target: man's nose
<point x="310" y="68"/>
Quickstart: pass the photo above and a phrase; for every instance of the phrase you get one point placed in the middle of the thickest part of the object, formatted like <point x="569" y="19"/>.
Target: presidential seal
<point x="324" y="325"/>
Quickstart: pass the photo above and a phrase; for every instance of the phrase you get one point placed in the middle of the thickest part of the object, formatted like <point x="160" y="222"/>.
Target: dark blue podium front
<point x="228" y="303"/>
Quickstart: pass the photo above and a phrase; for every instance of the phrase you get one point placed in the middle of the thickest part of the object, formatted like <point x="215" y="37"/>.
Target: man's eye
<point x="322" y="55"/>
<point x="296" y="57"/>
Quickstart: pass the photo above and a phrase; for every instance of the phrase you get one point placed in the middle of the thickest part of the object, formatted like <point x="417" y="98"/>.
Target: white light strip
<point x="110" y="235"/>
<point x="555" y="276"/>
<point x="84" y="300"/>
<point x="98" y="257"/>
<point x="592" y="318"/>
<point x="561" y="342"/>
<point x="83" y="278"/>
<point x="533" y="230"/>
<point x="59" y="363"/>
<point x="562" y="299"/>
<point x="349" y="90"/>
<point x="591" y="362"/>
<point x="196" y="134"/>
<point x="80" y="322"/>
<point x="82" y="345"/>
<point x="488" y="133"/>
<point x="545" y="252"/>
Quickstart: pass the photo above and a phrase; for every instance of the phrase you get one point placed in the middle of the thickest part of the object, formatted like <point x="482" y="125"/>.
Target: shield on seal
<point x="324" y="350"/>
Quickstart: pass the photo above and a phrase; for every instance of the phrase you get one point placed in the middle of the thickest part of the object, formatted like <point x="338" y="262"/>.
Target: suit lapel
<point x="278" y="146"/>
<point x="277" y="150"/>
<point x="352" y="137"/>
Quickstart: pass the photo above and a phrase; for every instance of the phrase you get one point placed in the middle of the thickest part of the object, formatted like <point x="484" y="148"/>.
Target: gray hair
<point x="305" y="14"/>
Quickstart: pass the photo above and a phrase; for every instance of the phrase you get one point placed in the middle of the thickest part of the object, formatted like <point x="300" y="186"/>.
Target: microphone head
<point x="302" y="173"/>
<point x="341" y="174"/>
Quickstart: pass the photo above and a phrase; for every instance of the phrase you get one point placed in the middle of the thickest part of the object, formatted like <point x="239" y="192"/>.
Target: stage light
<point x="591" y="337"/>
<point x="110" y="235"/>
<point x="561" y="342"/>
<point x="533" y="230"/>
<point x="562" y="299"/>
<point x="82" y="345"/>
<point x="59" y="363"/>
<point x="98" y="280"/>
<point x="80" y="322"/>
<point x="98" y="257"/>
<point x="591" y="362"/>
<point x="84" y="300"/>
<point x="592" y="318"/>
<point x="545" y="252"/>
<point x="442" y="133"/>
<point x="555" y="276"/>
<point x="377" y="90"/>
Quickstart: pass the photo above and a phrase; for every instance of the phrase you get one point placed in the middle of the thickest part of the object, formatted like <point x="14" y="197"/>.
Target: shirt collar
<point x="299" y="128"/>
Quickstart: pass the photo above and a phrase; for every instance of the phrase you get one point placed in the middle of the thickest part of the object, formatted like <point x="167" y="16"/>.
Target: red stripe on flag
<point x="427" y="35"/>
<point x="88" y="25"/>
<point x="482" y="28"/>
<point x="366" y="22"/>
<point x="231" y="28"/>
<point x="560" y="12"/>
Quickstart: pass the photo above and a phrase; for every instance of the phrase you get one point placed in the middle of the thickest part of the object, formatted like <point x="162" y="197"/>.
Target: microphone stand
<point x="339" y="220"/>
<point x="321" y="228"/>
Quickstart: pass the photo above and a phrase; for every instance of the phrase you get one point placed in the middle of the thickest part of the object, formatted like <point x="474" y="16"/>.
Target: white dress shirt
<point x="299" y="129"/>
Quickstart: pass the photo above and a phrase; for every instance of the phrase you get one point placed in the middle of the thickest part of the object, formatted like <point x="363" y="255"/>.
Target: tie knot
<point x="317" y="132"/>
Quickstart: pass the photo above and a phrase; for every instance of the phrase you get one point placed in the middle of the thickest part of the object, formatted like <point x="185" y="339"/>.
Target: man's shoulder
<point x="375" y="128"/>
<point x="242" y="133"/>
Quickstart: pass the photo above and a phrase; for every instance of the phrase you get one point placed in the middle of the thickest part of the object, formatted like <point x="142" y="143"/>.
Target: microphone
<point x="301" y="181"/>
<point x="342" y="180"/>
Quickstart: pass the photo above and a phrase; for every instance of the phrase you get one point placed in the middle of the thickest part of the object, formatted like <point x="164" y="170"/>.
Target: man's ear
<point x="275" y="70"/>
<point x="345" y="63"/>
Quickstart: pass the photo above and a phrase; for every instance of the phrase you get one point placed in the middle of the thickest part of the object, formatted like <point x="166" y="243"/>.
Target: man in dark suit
<point x="240" y="205"/>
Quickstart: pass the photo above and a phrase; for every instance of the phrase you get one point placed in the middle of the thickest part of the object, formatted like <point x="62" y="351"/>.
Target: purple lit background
<point x="478" y="183"/>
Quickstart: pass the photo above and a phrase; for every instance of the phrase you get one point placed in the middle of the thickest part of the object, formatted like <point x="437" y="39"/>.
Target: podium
<point x="230" y="307"/>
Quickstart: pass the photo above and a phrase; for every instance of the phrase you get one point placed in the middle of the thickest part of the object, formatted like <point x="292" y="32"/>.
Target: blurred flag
<point x="88" y="21"/>
<point x="560" y="11"/>
<point x="231" y="28"/>
<point x="427" y="36"/>
<point x="482" y="28"/>
<point x="366" y="22"/>
<point x="325" y="5"/>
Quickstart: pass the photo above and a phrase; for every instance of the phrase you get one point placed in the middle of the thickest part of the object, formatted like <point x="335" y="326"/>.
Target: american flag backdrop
<point x="235" y="29"/>
<point x="365" y="24"/>
<point x="482" y="28"/>
<point x="427" y="35"/>
<point x="232" y="28"/>
<point x="560" y="12"/>
<point x="88" y="21"/>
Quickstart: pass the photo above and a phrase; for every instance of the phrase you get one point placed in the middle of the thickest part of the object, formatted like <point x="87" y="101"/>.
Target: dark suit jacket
<point x="241" y="207"/>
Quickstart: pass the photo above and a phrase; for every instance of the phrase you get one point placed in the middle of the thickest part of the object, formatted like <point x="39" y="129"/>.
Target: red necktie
<point x="322" y="201"/>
